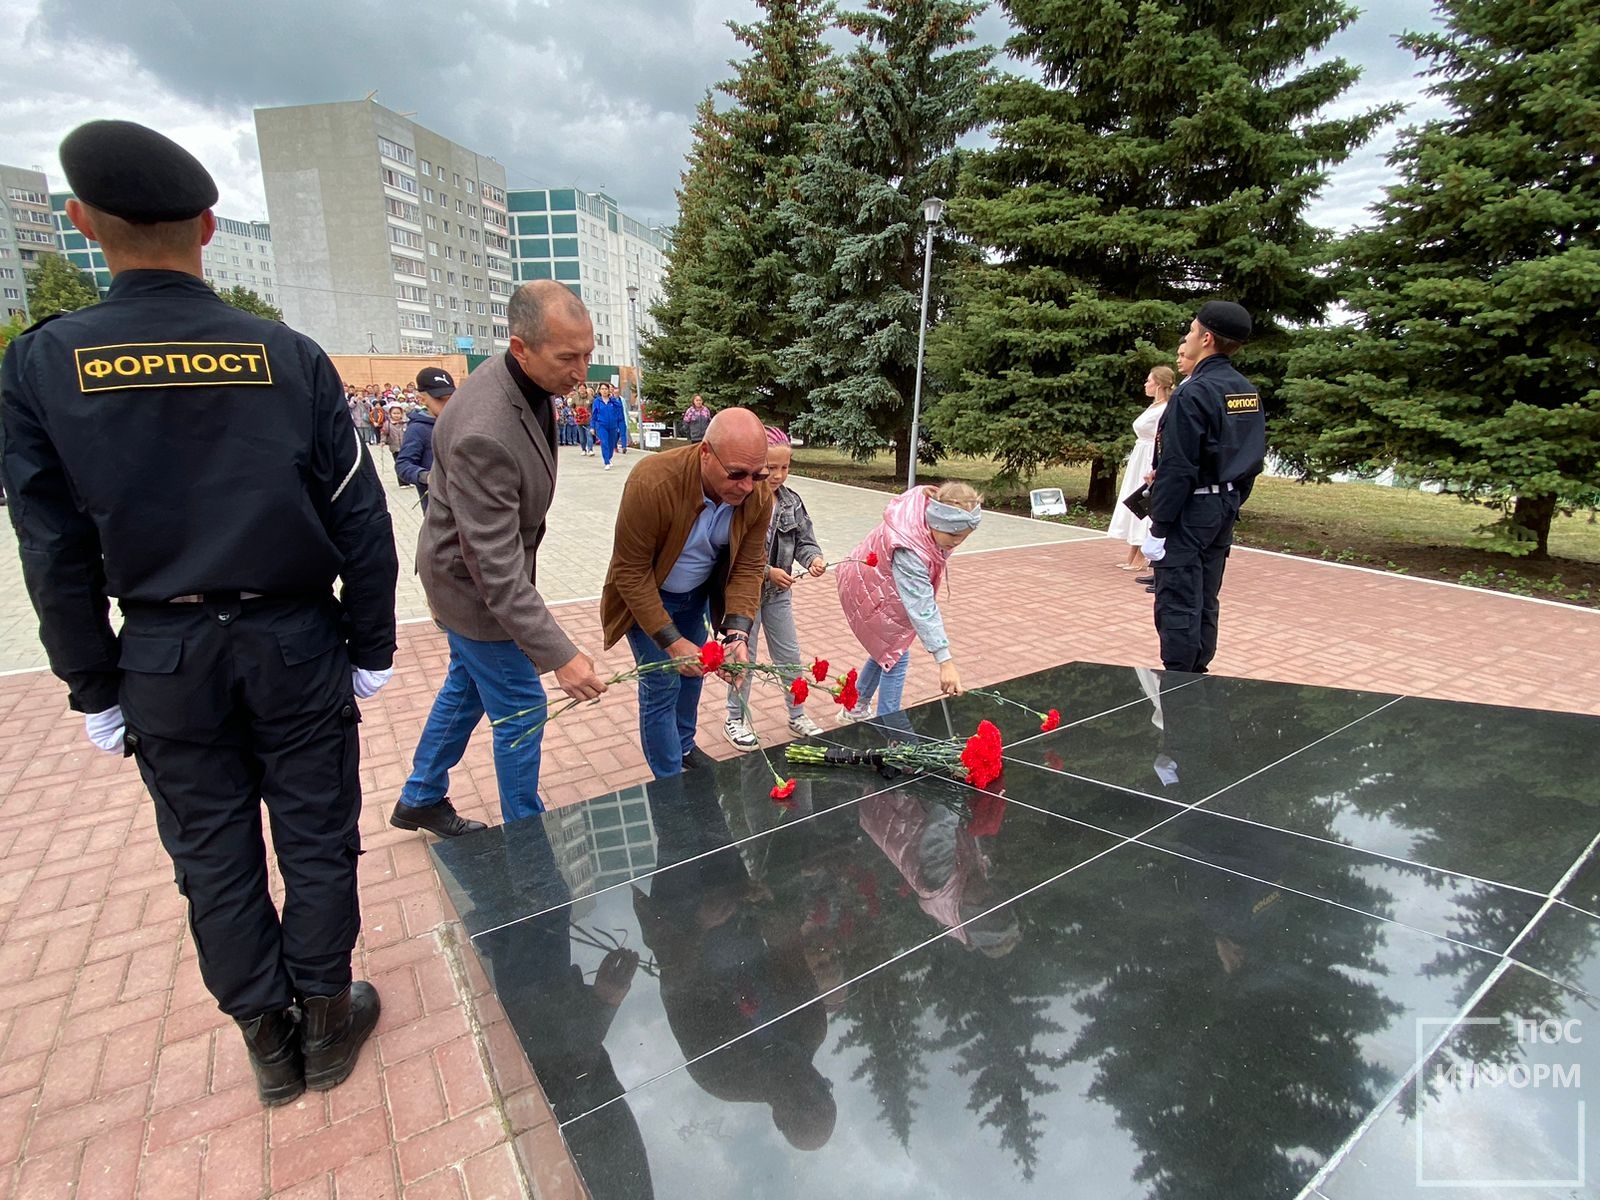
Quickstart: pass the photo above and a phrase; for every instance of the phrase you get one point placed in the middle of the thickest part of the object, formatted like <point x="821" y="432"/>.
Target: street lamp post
<point x="932" y="213"/>
<point x="638" y="367"/>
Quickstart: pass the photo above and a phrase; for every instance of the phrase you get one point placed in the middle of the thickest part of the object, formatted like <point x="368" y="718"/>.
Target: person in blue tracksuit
<point x="610" y="422"/>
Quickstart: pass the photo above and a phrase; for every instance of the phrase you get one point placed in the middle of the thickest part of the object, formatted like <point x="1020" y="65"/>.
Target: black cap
<point x="135" y="173"/>
<point x="1225" y="319"/>
<point x="436" y="382"/>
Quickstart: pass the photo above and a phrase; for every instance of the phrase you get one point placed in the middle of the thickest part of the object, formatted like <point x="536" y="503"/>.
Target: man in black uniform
<point x="138" y="465"/>
<point x="1210" y="446"/>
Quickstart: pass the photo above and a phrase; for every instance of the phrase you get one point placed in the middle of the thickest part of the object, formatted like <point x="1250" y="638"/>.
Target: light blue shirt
<point x="708" y="535"/>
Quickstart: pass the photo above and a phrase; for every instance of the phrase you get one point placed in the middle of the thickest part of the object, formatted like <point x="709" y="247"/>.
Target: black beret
<point x="135" y="173"/>
<point x="1225" y="319"/>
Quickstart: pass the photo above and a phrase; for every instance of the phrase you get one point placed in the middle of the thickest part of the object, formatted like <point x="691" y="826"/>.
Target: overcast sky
<point x="595" y="95"/>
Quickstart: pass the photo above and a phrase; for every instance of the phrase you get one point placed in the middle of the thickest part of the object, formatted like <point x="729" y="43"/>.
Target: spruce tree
<point x="1166" y="154"/>
<point x="250" y="301"/>
<point x="1474" y="358"/>
<point x="725" y="313"/>
<point x="56" y="286"/>
<point x="905" y="96"/>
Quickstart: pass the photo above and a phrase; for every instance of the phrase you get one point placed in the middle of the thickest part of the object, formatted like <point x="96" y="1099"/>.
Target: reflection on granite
<point x="1506" y="794"/>
<point x="1094" y="979"/>
<point x="1501" y="1110"/>
<point x="1481" y="915"/>
<point x="1160" y="1028"/>
<point x="1187" y="742"/>
<point x="726" y="937"/>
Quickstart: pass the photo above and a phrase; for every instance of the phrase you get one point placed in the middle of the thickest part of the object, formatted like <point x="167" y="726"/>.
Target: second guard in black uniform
<point x="1210" y="446"/>
<point x="198" y="464"/>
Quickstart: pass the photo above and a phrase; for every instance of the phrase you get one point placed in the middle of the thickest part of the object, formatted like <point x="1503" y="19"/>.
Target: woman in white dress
<point x="1158" y="386"/>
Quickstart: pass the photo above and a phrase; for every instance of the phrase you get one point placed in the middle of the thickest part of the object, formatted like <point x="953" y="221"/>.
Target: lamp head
<point x="933" y="210"/>
<point x="633" y="291"/>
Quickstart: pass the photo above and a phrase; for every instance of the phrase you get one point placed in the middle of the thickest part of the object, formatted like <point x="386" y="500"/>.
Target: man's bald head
<point x="738" y="429"/>
<point x="551" y="335"/>
<point x="732" y="452"/>
<point x="534" y="304"/>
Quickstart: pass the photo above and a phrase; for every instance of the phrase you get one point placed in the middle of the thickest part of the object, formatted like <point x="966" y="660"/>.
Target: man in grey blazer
<point x="494" y="473"/>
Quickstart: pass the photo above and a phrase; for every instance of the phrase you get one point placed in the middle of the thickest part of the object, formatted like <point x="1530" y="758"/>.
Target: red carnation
<point x="988" y="810"/>
<point x="1052" y="720"/>
<point x="847" y="695"/>
<point x="819" y="670"/>
<point x="871" y="559"/>
<point x="783" y="790"/>
<point x="799" y="689"/>
<point x="982" y="755"/>
<point x="711" y="656"/>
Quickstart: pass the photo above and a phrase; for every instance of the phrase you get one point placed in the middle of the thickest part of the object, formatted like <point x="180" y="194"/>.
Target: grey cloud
<point x="561" y="93"/>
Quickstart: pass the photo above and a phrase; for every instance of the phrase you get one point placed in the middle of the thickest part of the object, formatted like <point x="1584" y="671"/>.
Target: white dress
<point x="1124" y="524"/>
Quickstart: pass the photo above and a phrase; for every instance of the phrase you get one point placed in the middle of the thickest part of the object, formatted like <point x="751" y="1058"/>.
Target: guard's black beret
<point x="1225" y="319"/>
<point x="135" y="173"/>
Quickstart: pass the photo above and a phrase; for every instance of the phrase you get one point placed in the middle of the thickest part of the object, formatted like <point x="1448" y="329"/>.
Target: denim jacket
<point x="790" y="538"/>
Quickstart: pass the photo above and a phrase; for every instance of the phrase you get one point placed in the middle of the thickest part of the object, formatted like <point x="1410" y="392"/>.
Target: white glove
<point x="106" y="729"/>
<point x="366" y="683"/>
<point x="1154" y="548"/>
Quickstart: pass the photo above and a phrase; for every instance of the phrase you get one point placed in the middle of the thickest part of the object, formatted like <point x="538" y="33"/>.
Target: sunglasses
<point x="737" y="474"/>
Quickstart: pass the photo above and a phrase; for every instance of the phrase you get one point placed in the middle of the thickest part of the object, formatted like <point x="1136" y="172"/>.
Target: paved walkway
<point x="118" y="1077"/>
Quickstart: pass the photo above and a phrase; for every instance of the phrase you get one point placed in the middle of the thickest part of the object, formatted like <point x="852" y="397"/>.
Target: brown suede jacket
<point x="663" y="496"/>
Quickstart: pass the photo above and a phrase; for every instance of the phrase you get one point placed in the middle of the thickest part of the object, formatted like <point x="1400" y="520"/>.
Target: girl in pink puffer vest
<point x="893" y="603"/>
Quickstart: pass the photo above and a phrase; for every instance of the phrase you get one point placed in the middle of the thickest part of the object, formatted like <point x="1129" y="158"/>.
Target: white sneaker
<point x="608" y="466"/>
<point x="804" y="726"/>
<point x="740" y="736"/>
<point x="860" y="712"/>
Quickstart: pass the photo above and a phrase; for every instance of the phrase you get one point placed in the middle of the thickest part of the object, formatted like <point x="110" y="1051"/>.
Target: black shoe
<point x="335" y="1027"/>
<point x="1145" y="579"/>
<point x="698" y="758"/>
<point x="437" y="818"/>
<point x="273" y="1041"/>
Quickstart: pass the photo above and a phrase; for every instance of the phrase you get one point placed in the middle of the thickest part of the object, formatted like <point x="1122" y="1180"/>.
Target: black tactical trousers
<point x="229" y="704"/>
<point x="1189" y="580"/>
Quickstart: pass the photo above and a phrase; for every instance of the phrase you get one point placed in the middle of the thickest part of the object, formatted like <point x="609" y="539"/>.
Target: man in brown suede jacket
<point x="690" y="544"/>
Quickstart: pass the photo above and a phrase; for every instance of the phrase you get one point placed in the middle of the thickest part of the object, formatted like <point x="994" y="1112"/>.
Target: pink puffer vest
<point x="872" y="606"/>
<point x="895" y="822"/>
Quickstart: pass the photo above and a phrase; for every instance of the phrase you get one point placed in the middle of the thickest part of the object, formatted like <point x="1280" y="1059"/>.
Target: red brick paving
<point x="119" y="1078"/>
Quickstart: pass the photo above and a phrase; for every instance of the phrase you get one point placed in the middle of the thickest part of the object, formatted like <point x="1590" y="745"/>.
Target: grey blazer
<point x="491" y="485"/>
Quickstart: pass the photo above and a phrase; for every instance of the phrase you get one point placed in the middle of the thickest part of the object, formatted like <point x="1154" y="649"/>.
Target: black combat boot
<point x="273" y="1041"/>
<point x="334" y="1028"/>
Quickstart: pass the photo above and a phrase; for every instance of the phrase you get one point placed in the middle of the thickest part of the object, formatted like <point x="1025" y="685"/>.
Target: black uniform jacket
<point x="162" y="444"/>
<point x="1213" y="431"/>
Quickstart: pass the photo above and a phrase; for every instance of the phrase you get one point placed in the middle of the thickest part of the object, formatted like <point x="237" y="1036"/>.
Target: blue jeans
<point x="493" y="677"/>
<point x="669" y="703"/>
<point x="890" y="685"/>
<point x="585" y="441"/>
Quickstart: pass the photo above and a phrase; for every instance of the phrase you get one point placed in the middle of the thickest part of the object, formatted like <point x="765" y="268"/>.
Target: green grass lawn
<point x="1391" y="528"/>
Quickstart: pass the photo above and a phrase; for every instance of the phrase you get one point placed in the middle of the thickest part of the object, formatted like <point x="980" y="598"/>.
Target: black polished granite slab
<point x="1185" y="947"/>
<point x="1507" y="794"/>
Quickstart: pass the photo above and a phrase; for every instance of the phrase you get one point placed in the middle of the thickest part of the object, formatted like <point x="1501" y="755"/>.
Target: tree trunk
<point x="902" y="455"/>
<point x="1534" y="514"/>
<point x="1102" y="486"/>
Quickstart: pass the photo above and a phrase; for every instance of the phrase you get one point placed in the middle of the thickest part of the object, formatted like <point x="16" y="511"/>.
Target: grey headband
<point x="947" y="518"/>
